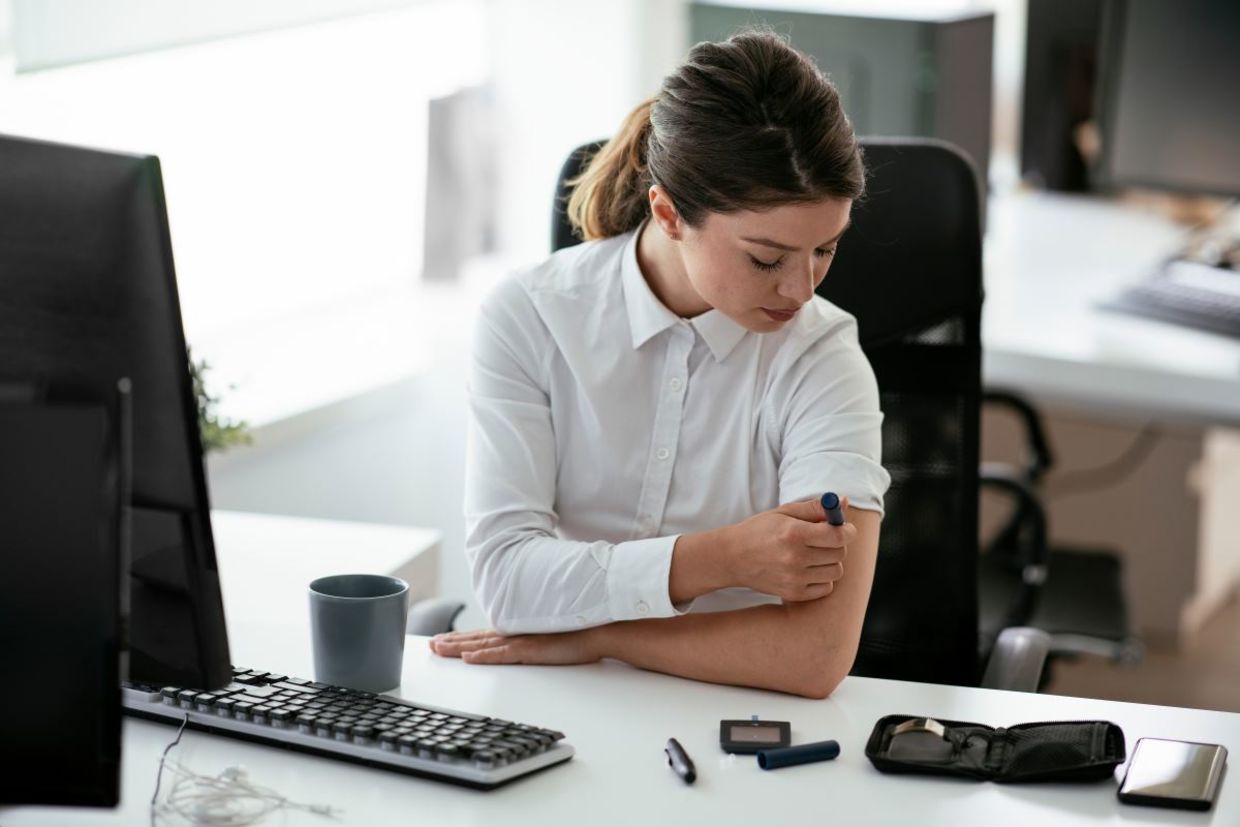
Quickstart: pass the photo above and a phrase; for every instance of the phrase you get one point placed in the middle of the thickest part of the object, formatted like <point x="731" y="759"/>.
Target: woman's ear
<point x="663" y="211"/>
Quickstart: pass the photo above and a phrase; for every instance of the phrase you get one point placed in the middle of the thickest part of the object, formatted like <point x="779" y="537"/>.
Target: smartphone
<point x="1177" y="774"/>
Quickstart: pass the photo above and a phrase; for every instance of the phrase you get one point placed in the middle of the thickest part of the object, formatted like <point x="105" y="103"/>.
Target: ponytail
<point x="745" y="124"/>
<point x="610" y="197"/>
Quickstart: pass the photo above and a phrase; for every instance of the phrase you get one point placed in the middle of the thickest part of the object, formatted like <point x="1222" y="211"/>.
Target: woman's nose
<point x="800" y="286"/>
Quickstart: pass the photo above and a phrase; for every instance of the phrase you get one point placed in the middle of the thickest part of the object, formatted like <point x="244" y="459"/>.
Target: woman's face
<point x="759" y="267"/>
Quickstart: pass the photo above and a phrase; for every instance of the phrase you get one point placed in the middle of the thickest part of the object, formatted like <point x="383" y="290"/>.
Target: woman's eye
<point x="824" y="253"/>
<point x="767" y="266"/>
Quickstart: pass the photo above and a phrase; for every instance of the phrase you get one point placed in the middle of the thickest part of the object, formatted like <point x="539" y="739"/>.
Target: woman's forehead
<point x="796" y="225"/>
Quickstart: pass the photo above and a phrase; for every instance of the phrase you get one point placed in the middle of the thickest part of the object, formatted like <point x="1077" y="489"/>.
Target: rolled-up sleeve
<point x="526" y="578"/>
<point x="826" y="410"/>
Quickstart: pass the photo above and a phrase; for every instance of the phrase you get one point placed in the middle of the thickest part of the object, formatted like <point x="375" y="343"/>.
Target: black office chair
<point x="1076" y="595"/>
<point x="910" y="271"/>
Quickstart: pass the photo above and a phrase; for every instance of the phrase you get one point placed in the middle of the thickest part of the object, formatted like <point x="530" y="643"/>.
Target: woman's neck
<point x="660" y="262"/>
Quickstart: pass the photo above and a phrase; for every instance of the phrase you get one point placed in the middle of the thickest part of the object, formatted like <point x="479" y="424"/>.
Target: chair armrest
<point x="1029" y="516"/>
<point x="1041" y="458"/>
<point x="433" y="616"/>
<point x="1017" y="660"/>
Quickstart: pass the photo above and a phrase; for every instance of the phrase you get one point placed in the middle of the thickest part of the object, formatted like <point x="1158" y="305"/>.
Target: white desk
<point x="1049" y="260"/>
<point x="618" y="718"/>
<point x="267" y="561"/>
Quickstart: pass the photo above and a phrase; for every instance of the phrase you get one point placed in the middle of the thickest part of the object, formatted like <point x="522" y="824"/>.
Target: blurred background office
<point x="347" y="178"/>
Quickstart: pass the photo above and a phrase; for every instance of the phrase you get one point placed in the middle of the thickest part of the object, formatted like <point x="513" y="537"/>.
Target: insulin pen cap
<point x="773" y="759"/>
<point x="831" y="504"/>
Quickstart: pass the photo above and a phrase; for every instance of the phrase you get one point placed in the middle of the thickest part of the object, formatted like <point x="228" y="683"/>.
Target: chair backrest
<point x="910" y="270"/>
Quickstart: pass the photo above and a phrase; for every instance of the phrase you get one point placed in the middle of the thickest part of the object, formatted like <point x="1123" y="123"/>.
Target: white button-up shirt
<point x="602" y="426"/>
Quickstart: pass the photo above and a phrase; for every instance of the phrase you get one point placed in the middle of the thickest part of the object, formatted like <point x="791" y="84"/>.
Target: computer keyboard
<point x="360" y="727"/>
<point x="1187" y="293"/>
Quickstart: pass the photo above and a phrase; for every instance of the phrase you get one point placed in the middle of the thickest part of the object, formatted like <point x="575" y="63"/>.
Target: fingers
<point x="814" y="557"/>
<point x="504" y="653"/>
<point x="808" y="510"/>
<point x="481" y="646"/>
<point x="826" y="574"/>
<point x="825" y="535"/>
<point x="814" y="591"/>
<point x="457" y="644"/>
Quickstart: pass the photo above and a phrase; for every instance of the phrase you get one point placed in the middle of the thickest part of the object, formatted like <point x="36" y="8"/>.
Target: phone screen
<point x="1172" y="772"/>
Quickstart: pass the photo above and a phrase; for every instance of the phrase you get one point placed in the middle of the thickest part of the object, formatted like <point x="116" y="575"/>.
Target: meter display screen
<point x="756" y="734"/>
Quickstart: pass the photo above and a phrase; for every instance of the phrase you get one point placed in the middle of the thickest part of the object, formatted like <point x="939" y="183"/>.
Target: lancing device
<point x="679" y="761"/>
<point x="831" y="505"/>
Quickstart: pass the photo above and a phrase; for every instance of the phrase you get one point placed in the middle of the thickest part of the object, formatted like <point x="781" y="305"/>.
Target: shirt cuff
<point x="637" y="579"/>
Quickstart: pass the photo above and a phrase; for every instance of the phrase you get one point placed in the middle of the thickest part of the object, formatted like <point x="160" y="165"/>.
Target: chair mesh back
<point x="909" y="269"/>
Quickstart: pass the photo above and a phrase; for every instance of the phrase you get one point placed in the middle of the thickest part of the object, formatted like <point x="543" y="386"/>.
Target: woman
<point x="642" y="403"/>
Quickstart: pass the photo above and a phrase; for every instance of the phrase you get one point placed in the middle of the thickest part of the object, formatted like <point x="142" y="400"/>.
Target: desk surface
<point x="1049" y="260"/>
<point x="266" y="563"/>
<point x="618" y="718"/>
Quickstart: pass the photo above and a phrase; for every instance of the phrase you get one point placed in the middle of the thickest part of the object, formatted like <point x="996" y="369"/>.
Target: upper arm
<point x="826" y="410"/>
<point x="831" y="626"/>
<point x="510" y="446"/>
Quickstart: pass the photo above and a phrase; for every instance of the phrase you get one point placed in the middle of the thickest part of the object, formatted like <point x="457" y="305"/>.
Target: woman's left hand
<point x="488" y="646"/>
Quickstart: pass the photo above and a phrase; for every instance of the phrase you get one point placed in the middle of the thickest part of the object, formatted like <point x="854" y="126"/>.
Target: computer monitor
<point x="63" y="484"/>
<point x="88" y="296"/>
<point x="1167" y="106"/>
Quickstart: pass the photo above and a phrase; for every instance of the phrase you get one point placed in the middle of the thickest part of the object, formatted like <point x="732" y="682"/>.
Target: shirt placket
<point x="669" y="412"/>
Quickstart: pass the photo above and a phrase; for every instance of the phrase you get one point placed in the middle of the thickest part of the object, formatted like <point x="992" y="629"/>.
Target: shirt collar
<point x="649" y="317"/>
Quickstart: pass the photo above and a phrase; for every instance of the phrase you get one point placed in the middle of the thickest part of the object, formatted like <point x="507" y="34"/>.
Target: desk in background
<point x="267" y="561"/>
<point x="1100" y="377"/>
<point x="619" y="718"/>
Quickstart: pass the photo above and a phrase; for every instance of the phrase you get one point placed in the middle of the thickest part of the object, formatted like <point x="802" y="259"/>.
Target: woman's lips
<point x="779" y="315"/>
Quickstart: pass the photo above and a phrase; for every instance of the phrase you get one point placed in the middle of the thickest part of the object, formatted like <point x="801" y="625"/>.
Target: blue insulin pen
<point x="831" y="505"/>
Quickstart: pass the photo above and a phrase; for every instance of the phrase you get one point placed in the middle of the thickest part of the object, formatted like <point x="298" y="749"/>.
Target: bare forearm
<point x="700" y="564"/>
<point x="767" y="647"/>
<point x="805" y="648"/>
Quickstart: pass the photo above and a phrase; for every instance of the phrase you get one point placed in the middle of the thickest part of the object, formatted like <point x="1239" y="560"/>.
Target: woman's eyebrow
<point x="766" y="242"/>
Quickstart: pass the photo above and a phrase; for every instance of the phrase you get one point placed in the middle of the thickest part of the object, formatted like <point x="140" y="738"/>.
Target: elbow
<point x="824" y="674"/>
<point x="498" y="611"/>
<point x="819" y="688"/>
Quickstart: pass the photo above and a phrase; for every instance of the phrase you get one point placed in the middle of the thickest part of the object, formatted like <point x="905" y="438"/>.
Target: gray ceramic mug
<point x="357" y="628"/>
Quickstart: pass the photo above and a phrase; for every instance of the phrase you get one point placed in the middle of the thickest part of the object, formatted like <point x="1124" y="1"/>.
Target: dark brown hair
<point x="743" y="124"/>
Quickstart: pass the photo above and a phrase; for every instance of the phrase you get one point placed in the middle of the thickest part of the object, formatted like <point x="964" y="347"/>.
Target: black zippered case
<point x="1047" y="751"/>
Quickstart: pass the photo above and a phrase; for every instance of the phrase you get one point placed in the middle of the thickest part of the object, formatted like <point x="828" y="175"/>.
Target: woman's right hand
<point x="791" y="551"/>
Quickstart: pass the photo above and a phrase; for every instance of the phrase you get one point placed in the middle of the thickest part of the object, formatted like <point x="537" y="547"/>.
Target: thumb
<point x="811" y="510"/>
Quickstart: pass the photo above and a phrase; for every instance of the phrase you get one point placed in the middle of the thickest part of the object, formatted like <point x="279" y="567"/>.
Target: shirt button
<point x="581" y="621"/>
<point x="676" y="384"/>
<point x="642" y="608"/>
<point x="662" y="453"/>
